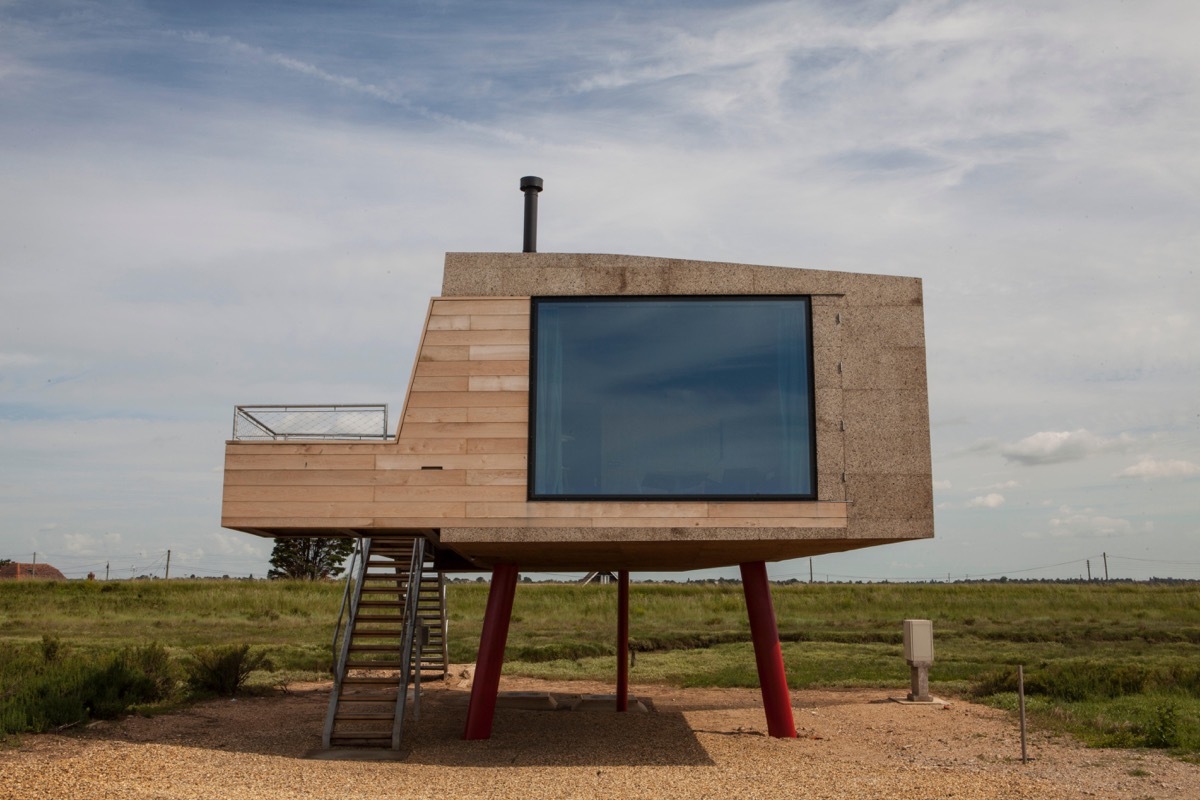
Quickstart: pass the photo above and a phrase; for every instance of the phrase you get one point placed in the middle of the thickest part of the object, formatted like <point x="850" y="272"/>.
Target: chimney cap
<point x="531" y="182"/>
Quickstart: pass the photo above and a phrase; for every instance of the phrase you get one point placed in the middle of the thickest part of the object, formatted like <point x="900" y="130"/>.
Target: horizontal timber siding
<point x="460" y="456"/>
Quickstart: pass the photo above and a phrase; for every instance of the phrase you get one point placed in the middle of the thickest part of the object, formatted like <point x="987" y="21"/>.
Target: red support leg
<point x="482" y="707"/>
<point x="767" y="653"/>
<point x="623" y="640"/>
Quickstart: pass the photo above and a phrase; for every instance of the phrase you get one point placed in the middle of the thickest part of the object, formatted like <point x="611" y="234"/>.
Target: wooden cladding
<point x="460" y="456"/>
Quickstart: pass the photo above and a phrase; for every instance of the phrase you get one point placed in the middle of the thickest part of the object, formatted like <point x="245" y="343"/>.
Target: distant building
<point x="30" y="572"/>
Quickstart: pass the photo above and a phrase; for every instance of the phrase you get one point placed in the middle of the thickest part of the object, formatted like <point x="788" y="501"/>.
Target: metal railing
<point x="368" y="421"/>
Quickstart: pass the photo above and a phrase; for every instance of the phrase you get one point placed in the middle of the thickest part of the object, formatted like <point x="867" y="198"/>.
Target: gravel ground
<point x="697" y="743"/>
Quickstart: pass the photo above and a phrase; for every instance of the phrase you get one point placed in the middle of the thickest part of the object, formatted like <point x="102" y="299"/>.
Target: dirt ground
<point x="695" y="743"/>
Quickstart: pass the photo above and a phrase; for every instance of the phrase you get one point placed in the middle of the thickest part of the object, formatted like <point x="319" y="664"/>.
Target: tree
<point x="309" y="558"/>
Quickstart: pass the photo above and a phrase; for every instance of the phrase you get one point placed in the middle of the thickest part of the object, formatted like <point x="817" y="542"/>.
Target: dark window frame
<point x="668" y="498"/>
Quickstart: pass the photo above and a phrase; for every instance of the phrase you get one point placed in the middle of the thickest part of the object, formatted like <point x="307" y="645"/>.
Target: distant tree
<point x="309" y="559"/>
<point x="4" y="562"/>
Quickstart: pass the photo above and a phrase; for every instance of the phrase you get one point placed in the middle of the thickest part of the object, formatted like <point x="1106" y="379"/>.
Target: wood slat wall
<point x="460" y="457"/>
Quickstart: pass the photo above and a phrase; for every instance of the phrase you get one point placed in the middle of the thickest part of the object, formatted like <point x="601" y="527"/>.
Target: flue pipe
<point x="530" y="185"/>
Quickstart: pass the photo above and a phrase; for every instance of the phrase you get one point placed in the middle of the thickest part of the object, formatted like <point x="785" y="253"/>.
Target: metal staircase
<point x="395" y="632"/>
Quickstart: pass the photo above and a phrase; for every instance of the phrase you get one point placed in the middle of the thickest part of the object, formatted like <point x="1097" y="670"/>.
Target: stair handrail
<point x="337" y="626"/>
<point x="339" y="667"/>
<point x="411" y="600"/>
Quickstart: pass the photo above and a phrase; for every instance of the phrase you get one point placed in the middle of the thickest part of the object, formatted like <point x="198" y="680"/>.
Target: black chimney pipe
<point x="530" y="185"/>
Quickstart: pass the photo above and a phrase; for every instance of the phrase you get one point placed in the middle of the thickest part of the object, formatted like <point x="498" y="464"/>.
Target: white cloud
<point x="992" y="500"/>
<point x="80" y="544"/>
<point x="17" y="360"/>
<point x="942" y="485"/>
<point x="1057" y="447"/>
<point x="1148" y="468"/>
<point x="996" y="487"/>
<point x="1089" y="524"/>
<point x="239" y="544"/>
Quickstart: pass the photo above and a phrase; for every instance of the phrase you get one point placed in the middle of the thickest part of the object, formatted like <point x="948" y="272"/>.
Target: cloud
<point x="17" y="360"/>
<point x="942" y="485"/>
<point x="80" y="544"/>
<point x="1148" y="468"/>
<point x="992" y="500"/>
<point x="1089" y="524"/>
<point x="996" y="486"/>
<point x="1058" y="447"/>
<point x="235" y="544"/>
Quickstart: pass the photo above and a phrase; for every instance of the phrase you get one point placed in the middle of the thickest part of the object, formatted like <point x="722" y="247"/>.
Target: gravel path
<point x="697" y="743"/>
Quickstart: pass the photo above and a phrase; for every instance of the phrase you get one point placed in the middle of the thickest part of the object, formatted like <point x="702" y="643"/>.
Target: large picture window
<point x="672" y="397"/>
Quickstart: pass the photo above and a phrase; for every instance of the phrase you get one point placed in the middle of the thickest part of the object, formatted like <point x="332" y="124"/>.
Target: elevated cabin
<point x="602" y="413"/>
<point x="692" y="482"/>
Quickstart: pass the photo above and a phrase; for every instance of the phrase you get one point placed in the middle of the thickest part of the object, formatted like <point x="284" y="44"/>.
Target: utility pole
<point x="1105" y="566"/>
<point x="167" y="574"/>
<point x="1089" y="566"/>
<point x="810" y="579"/>
<point x="34" y="572"/>
<point x="106" y="563"/>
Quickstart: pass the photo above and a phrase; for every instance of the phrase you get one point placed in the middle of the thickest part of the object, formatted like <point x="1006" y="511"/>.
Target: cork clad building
<point x="604" y="413"/>
<point x="600" y="412"/>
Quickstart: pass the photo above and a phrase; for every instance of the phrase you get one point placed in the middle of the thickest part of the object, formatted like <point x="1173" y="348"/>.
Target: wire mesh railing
<point x="260" y="423"/>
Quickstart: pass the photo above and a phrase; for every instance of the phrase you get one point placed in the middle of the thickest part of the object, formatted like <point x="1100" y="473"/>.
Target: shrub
<point x="51" y="647"/>
<point x="1163" y="730"/>
<point x="60" y="690"/>
<point x="223" y="670"/>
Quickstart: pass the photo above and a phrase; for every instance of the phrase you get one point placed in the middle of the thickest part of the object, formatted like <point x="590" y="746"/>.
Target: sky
<point x="207" y="204"/>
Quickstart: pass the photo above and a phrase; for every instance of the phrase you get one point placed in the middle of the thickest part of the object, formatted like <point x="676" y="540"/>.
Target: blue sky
<point x="206" y="204"/>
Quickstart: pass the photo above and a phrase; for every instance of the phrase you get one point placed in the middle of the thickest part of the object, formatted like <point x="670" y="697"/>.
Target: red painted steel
<point x="623" y="640"/>
<point x="777" y="702"/>
<point x="493" y="637"/>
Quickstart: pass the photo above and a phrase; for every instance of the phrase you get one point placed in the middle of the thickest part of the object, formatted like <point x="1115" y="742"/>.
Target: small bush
<point x="1163" y="730"/>
<point x="51" y="647"/>
<point x="223" y="670"/>
<point x="60" y="689"/>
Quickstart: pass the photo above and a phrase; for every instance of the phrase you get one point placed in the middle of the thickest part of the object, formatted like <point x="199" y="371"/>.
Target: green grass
<point x="1113" y="663"/>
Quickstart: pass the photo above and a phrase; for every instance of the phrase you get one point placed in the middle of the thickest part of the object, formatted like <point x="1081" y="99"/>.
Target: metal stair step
<point x="396" y="664"/>
<point x="362" y="718"/>
<point x="370" y="681"/>
<point x="359" y="736"/>
<point x="375" y="648"/>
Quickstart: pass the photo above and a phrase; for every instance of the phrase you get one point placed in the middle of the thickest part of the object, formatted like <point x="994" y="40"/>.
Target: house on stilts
<point x="599" y="413"/>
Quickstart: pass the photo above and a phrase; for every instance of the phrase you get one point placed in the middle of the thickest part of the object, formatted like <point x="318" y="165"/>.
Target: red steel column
<point x="767" y="653"/>
<point x="493" y="637"/>
<point x="623" y="640"/>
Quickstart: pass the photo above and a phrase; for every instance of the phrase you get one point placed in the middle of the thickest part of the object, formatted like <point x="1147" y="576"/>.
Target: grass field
<point x="1115" y="663"/>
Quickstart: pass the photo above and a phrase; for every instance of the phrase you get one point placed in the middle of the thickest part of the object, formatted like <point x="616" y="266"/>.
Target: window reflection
<point x="672" y="397"/>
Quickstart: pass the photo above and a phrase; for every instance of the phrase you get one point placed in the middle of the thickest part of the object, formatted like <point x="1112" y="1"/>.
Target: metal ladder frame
<point x="363" y="553"/>
<point x="415" y="567"/>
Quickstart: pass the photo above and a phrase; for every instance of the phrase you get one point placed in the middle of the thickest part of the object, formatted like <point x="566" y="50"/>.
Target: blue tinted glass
<point x="671" y="397"/>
